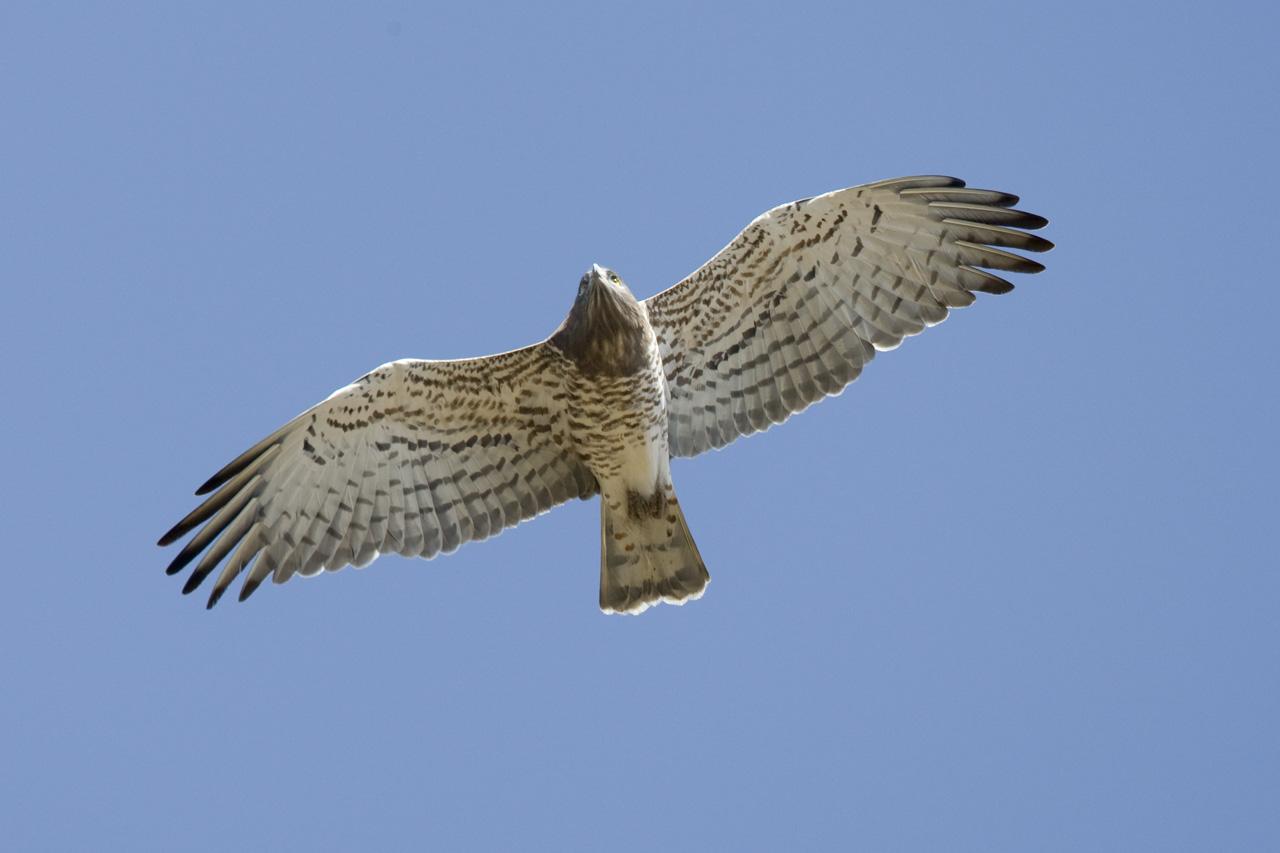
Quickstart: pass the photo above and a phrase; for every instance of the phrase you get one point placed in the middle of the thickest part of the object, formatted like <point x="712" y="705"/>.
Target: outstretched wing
<point x="792" y="309"/>
<point x="416" y="457"/>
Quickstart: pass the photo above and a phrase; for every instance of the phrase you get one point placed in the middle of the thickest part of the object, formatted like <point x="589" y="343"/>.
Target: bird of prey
<point x="419" y="457"/>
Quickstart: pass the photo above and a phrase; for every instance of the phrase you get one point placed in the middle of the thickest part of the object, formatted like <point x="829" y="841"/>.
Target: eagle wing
<point x="416" y="457"/>
<point x="792" y="309"/>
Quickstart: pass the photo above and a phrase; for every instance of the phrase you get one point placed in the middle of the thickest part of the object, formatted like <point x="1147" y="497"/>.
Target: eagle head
<point x="607" y="329"/>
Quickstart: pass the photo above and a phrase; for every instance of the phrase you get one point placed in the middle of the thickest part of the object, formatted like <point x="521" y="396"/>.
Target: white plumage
<point x="419" y="457"/>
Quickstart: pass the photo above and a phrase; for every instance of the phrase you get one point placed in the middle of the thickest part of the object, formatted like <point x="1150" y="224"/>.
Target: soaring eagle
<point x="418" y="457"/>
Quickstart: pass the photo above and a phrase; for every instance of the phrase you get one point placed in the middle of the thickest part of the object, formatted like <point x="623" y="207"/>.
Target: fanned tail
<point x="647" y="555"/>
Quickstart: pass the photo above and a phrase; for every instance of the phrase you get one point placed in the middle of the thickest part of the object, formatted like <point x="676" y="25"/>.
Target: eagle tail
<point x="647" y="554"/>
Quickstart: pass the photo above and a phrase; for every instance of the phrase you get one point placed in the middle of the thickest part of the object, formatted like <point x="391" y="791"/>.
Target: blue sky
<point x="1015" y="589"/>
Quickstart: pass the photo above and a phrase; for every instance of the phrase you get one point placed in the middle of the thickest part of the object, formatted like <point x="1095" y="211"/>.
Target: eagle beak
<point x="598" y="275"/>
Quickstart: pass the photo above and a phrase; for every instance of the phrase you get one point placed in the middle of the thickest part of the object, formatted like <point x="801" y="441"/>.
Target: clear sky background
<point x="1016" y="589"/>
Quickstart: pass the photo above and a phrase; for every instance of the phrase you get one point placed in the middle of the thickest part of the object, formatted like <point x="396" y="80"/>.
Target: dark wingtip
<point x="214" y="596"/>
<point x="1031" y="221"/>
<point x="173" y="535"/>
<point x="185" y="556"/>
<point x="244" y="460"/>
<point x="202" y="571"/>
<point x="211" y="484"/>
<point x="249" y="586"/>
<point x="1035" y="243"/>
<point x="997" y="286"/>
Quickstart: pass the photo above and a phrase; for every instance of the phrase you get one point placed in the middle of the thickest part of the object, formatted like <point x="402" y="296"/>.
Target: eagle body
<point x="419" y="457"/>
<point x="616" y="397"/>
